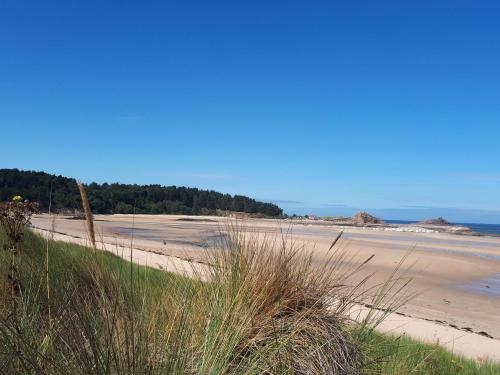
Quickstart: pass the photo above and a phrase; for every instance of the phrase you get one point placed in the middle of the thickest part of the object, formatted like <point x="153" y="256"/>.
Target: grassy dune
<point x="263" y="312"/>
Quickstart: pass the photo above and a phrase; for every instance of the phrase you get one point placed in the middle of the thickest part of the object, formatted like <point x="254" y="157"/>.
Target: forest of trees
<point x="124" y="198"/>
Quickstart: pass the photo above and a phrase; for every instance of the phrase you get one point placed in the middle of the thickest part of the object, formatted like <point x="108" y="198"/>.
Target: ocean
<point x="491" y="229"/>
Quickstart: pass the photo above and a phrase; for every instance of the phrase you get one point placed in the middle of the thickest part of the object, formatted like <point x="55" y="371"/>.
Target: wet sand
<point x="457" y="276"/>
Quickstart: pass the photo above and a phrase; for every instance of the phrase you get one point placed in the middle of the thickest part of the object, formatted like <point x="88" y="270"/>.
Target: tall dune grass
<point x="265" y="309"/>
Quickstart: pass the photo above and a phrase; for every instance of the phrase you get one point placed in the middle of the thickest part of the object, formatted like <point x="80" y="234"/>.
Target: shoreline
<point x="459" y="229"/>
<point x="414" y="227"/>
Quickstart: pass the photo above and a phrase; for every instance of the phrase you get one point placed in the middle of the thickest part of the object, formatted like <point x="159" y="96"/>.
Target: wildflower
<point x="17" y="198"/>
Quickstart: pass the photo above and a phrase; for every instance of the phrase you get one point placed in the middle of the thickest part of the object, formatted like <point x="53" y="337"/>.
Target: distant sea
<point x="492" y="229"/>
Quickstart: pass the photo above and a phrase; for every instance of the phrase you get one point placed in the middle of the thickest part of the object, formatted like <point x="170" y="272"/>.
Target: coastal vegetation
<point x="263" y="308"/>
<point x="63" y="195"/>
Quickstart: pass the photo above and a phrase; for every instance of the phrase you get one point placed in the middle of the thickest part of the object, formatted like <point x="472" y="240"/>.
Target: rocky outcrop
<point x="364" y="218"/>
<point x="437" y="221"/>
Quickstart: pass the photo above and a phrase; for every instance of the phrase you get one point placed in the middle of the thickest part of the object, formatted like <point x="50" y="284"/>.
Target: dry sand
<point x="457" y="276"/>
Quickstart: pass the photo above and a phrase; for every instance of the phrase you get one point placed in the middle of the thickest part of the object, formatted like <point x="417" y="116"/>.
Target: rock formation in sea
<point x="437" y="221"/>
<point x="363" y="218"/>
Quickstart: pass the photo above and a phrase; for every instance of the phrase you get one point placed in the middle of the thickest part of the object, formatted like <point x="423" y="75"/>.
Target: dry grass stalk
<point x="89" y="218"/>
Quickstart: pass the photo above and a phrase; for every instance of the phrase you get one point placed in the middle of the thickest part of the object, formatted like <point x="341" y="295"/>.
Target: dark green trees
<point x="125" y="198"/>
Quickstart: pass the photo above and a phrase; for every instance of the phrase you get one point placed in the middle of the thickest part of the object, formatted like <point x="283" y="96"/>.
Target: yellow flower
<point x="17" y="198"/>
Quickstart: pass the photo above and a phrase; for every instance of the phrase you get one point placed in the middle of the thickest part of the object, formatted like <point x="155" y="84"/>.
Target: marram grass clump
<point x="278" y="310"/>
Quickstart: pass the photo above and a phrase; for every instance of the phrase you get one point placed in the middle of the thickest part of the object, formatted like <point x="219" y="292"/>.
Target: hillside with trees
<point x="125" y="198"/>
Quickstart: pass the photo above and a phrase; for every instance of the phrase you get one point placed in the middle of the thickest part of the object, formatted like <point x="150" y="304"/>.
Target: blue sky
<point x="323" y="107"/>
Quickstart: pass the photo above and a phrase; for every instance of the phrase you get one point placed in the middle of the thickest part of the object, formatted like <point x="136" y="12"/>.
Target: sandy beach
<point x="457" y="278"/>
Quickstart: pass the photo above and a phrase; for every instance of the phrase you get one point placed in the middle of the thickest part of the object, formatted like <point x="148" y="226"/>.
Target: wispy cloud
<point x="417" y="207"/>
<point x="207" y="176"/>
<point x="130" y="118"/>
<point x="283" y="201"/>
<point x="332" y="205"/>
<point x="478" y="176"/>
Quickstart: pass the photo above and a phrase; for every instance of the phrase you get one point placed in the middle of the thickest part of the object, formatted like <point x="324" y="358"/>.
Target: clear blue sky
<point x="323" y="107"/>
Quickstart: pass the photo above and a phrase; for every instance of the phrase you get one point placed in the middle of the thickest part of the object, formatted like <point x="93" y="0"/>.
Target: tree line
<point x="62" y="194"/>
